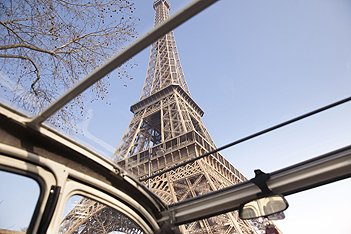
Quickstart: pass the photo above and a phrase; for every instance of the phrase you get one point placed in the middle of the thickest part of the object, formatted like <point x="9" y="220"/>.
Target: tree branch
<point x="11" y="30"/>
<point x="74" y="40"/>
<point x="33" y="64"/>
<point x="77" y="4"/>
<point x="31" y="47"/>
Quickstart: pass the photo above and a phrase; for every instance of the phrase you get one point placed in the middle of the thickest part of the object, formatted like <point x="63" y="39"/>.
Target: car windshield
<point x="237" y="68"/>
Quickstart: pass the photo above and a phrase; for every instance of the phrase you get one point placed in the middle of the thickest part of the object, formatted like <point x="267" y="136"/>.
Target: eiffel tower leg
<point x="192" y="181"/>
<point x="90" y="216"/>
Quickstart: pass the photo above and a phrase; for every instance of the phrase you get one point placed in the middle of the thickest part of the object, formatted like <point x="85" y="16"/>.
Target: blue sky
<point x="250" y="65"/>
<point x="254" y="64"/>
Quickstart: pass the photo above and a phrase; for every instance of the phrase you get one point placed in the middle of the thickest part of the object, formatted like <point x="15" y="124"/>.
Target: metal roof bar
<point x="330" y="167"/>
<point x="183" y="15"/>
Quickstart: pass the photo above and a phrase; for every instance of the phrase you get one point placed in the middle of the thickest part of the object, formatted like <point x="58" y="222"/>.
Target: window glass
<point x="18" y="195"/>
<point x="84" y="215"/>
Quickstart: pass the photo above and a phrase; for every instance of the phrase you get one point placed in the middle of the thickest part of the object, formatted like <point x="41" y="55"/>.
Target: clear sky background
<point x="250" y="65"/>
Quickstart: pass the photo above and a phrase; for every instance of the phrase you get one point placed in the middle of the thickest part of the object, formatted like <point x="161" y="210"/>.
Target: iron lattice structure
<point x="167" y="129"/>
<point x="89" y="216"/>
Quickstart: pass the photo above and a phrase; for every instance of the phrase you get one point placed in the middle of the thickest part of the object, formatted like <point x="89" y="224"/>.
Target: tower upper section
<point x="164" y="67"/>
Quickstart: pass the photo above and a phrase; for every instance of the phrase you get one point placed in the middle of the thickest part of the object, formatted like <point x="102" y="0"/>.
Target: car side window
<point x="85" y="215"/>
<point x="18" y="198"/>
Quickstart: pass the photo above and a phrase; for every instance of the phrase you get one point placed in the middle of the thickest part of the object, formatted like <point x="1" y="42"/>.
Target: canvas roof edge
<point x="17" y="117"/>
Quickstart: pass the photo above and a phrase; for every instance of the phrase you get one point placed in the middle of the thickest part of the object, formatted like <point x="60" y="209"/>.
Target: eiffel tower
<point x="166" y="130"/>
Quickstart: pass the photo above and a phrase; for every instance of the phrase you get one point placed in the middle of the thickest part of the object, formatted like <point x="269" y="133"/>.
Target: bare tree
<point x="46" y="46"/>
